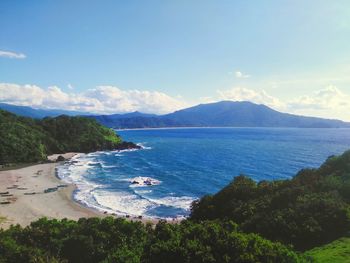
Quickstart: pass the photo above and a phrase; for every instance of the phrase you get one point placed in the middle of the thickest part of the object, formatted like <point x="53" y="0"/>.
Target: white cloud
<point x="9" y="54"/>
<point x="244" y="94"/>
<point x="328" y="98"/>
<point x="102" y="99"/>
<point x="240" y="75"/>
<point x="119" y="100"/>
<point x="329" y="102"/>
<point x="70" y="86"/>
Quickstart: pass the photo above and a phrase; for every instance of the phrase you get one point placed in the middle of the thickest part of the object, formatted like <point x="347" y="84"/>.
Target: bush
<point x="118" y="240"/>
<point x="311" y="209"/>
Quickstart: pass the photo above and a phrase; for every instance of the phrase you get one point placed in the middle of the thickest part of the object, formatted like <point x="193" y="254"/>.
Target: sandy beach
<point x="23" y="198"/>
<point x="33" y="192"/>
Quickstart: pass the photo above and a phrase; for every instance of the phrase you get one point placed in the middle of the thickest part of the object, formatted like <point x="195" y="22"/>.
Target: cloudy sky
<point x="159" y="56"/>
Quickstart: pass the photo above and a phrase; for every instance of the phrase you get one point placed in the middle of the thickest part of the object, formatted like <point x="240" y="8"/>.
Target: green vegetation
<point x="2" y="219"/>
<point x="309" y="210"/>
<point x="118" y="240"/>
<point x="335" y="252"/>
<point x="25" y="140"/>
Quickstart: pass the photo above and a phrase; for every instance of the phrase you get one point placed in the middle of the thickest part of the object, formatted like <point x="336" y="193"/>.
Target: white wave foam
<point x="108" y="166"/>
<point x="143" y="191"/>
<point x="123" y="203"/>
<point x="92" y="163"/>
<point x="183" y="202"/>
<point x="143" y="146"/>
<point x="73" y="170"/>
<point x="125" y="150"/>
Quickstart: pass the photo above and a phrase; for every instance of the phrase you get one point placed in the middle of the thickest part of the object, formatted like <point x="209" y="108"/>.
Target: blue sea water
<point x="188" y="163"/>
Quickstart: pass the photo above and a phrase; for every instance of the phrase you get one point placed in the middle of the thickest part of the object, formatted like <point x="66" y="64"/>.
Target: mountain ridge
<point x="222" y="114"/>
<point x="27" y="111"/>
<point x="217" y="114"/>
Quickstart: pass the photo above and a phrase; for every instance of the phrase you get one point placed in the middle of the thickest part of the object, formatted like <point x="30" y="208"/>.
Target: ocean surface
<point x="177" y="166"/>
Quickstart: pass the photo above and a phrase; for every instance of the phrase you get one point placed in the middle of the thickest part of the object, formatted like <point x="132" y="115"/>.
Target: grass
<point x="2" y="219"/>
<point x="336" y="252"/>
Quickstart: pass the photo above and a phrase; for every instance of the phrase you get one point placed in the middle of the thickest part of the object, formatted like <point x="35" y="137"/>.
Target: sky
<point x="160" y="56"/>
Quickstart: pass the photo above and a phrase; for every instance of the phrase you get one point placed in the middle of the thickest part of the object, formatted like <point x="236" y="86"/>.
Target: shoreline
<point x="32" y="192"/>
<point x="218" y="127"/>
<point x="106" y="212"/>
<point x="26" y="196"/>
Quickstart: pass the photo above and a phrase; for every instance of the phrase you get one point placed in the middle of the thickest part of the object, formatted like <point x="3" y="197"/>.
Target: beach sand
<point x="26" y="200"/>
<point x="25" y="207"/>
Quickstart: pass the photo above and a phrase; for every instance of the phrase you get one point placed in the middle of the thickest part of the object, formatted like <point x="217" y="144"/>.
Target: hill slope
<point x="309" y="210"/>
<point x="220" y="114"/>
<point x="37" y="113"/>
<point x="28" y="140"/>
<point x="244" y="114"/>
<point x="335" y="252"/>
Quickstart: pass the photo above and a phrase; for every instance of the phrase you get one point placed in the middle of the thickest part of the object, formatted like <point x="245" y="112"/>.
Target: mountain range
<point x="218" y="114"/>
<point x="26" y="111"/>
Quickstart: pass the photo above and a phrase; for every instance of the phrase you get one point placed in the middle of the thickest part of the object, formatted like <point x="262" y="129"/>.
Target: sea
<point x="178" y="166"/>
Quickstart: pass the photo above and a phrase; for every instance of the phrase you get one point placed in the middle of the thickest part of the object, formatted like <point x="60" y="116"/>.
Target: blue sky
<point x="291" y="55"/>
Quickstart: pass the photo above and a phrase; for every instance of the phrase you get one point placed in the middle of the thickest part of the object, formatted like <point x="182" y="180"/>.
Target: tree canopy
<point x="309" y="210"/>
<point x="117" y="240"/>
<point x="27" y="140"/>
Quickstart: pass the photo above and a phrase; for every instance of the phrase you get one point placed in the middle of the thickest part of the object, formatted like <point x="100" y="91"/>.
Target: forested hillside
<point x="309" y="210"/>
<point x="28" y="140"/>
<point x="117" y="240"/>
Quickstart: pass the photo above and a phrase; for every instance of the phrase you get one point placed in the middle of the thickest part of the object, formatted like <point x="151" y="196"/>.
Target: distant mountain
<point x="38" y="113"/>
<point x="219" y="114"/>
<point x="124" y="120"/>
<point x="136" y="114"/>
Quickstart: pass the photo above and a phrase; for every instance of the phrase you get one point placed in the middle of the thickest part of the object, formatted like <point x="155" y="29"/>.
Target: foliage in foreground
<point x="29" y="140"/>
<point x="309" y="210"/>
<point x="335" y="252"/>
<point x="118" y="240"/>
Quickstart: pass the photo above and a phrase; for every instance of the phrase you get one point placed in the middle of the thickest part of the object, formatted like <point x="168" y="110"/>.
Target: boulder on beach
<point x="60" y="159"/>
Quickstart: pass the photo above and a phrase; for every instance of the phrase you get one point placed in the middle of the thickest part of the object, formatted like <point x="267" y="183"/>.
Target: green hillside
<point x="335" y="252"/>
<point x="117" y="240"/>
<point x="309" y="210"/>
<point x="26" y="140"/>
